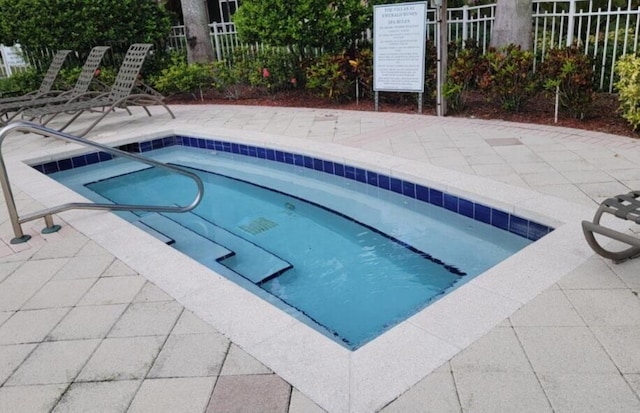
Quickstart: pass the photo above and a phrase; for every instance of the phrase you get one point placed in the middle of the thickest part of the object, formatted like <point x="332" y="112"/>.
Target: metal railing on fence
<point x="178" y="39"/>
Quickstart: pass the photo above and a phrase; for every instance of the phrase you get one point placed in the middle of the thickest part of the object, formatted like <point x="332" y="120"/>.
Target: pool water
<point x="348" y="260"/>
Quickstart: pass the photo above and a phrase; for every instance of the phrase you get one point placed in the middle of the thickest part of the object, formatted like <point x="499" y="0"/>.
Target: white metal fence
<point x="604" y="33"/>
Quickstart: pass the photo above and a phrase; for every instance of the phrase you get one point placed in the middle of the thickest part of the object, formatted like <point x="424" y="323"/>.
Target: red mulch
<point x="604" y="116"/>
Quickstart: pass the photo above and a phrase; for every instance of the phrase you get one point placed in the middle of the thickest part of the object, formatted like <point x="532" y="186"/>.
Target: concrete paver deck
<point x="80" y="330"/>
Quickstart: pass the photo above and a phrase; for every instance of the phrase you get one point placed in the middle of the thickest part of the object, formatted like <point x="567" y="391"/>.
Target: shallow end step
<point x="157" y="234"/>
<point x="186" y="240"/>
<point x="269" y="267"/>
<point x="250" y="261"/>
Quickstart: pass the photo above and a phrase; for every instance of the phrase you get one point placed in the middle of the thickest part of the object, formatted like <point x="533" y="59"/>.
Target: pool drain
<point x="257" y="226"/>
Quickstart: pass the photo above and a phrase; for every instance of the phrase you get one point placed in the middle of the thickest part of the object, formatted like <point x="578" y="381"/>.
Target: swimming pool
<point x="369" y="196"/>
<point x="333" y="376"/>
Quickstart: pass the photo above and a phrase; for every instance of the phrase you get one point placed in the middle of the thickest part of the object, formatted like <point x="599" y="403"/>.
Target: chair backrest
<point x="52" y="72"/>
<point x="89" y="69"/>
<point x="129" y="71"/>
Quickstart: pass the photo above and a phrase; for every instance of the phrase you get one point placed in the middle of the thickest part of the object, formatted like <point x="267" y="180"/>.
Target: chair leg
<point x="95" y="122"/>
<point x="589" y="228"/>
<point x="168" y="110"/>
<point x="44" y="121"/>
<point x="74" y="117"/>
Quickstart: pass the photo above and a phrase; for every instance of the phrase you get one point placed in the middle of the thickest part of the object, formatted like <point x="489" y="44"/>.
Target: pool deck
<point x="97" y="318"/>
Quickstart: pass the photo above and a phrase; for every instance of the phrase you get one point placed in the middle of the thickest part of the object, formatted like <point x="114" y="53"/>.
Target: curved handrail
<point x="23" y="126"/>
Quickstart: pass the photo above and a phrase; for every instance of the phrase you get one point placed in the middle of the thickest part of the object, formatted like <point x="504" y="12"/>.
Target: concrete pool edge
<point x="377" y="373"/>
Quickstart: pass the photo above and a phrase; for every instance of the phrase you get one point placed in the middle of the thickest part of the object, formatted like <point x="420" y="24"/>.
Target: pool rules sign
<point x="399" y="32"/>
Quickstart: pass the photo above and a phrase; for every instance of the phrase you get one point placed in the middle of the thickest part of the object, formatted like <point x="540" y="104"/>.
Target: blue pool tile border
<point x="479" y="212"/>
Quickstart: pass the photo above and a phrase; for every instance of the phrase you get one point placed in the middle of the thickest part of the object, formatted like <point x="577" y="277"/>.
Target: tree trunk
<point x="513" y="24"/>
<point x="196" y="27"/>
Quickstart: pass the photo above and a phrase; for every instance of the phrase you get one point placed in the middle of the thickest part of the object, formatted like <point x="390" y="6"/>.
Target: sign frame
<point x="11" y="57"/>
<point x="399" y="39"/>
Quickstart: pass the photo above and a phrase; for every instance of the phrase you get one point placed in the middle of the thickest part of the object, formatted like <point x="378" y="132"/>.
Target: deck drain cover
<point x="257" y="226"/>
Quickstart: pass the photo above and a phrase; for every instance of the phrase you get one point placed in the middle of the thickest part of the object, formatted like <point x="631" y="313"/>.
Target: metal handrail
<point x="23" y="126"/>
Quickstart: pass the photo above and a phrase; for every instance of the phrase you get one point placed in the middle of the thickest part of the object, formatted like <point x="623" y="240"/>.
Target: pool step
<point x="146" y="228"/>
<point x="200" y="248"/>
<point x="250" y="260"/>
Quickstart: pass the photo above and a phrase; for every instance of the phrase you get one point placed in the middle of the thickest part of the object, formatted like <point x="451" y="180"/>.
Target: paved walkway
<point x="81" y="331"/>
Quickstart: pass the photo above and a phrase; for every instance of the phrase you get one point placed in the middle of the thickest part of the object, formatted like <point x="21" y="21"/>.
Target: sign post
<point x="399" y="34"/>
<point x="442" y="53"/>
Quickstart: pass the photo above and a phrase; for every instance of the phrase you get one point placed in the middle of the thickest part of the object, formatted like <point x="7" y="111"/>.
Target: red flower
<point x="265" y="72"/>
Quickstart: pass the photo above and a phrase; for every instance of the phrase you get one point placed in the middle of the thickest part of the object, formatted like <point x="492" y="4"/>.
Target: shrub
<point x="277" y="69"/>
<point x="8" y="87"/>
<point x="21" y="82"/>
<point x="270" y="68"/>
<point x="341" y="76"/>
<point x="328" y="77"/>
<point x="181" y="77"/>
<point x="463" y="69"/>
<point x="105" y="76"/>
<point x="303" y="24"/>
<point x="79" y="25"/>
<point x="362" y="69"/>
<point x="257" y="70"/>
<point x="28" y="80"/>
<point x="228" y="81"/>
<point x="628" y="69"/>
<point x="508" y="77"/>
<point x="67" y="78"/>
<point x="569" y="73"/>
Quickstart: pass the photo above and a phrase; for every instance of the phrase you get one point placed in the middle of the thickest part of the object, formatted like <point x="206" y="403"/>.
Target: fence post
<point x="571" y="23"/>
<point x="216" y="41"/>
<point x="465" y="22"/>
<point x="441" y="52"/>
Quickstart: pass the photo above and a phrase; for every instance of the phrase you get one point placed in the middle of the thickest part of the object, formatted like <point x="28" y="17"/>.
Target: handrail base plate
<point x="20" y="240"/>
<point x="51" y="229"/>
